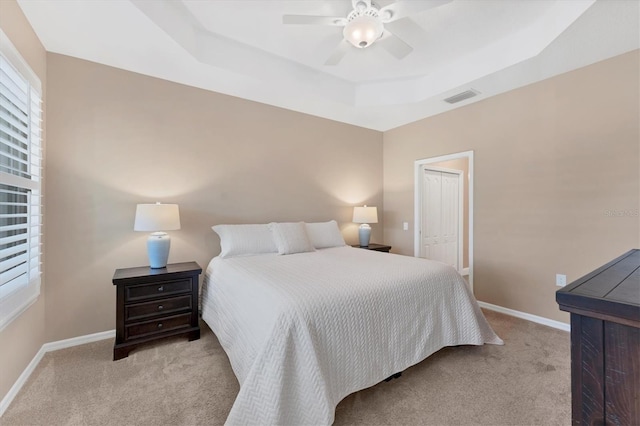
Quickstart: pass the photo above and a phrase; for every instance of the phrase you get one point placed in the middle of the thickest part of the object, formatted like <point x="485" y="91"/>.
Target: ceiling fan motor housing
<point x="363" y="27"/>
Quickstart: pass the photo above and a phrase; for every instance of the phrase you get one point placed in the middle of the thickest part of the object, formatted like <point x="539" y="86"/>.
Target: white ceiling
<point x="242" y="48"/>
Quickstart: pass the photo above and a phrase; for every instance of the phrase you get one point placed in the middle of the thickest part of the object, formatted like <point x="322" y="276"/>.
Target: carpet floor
<point x="175" y="382"/>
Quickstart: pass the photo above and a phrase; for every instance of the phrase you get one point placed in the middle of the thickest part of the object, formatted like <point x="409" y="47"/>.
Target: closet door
<point x="439" y="239"/>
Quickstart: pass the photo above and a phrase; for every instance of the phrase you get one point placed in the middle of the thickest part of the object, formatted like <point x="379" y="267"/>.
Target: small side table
<point x="375" y="247"/>
<point x="152" y="304"/>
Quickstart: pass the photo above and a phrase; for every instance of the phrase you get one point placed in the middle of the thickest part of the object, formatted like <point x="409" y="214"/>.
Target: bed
<point x="304" y="330"/>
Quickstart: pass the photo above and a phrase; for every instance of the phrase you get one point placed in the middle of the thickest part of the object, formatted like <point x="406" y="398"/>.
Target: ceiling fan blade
<point x="403" y="8"/>
<point x="407" y="29"/>
<point x="335" y="21"/>
<point x="395" y="45"/>
<point x="338" y="53"/>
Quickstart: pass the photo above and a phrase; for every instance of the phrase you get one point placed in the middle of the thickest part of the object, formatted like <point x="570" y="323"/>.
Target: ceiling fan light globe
<point x="363" y="31"/>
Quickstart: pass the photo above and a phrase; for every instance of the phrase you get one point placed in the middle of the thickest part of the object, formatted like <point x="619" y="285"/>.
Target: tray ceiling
<point x="242" y="48"/>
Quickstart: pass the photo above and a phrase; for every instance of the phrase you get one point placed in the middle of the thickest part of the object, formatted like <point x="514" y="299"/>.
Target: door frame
<point x="418" y="166"/>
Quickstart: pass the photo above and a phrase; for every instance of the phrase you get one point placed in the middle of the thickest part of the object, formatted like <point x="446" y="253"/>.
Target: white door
<point x="440" y="221"/>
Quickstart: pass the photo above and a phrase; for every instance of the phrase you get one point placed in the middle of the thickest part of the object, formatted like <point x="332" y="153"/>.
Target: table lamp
<point x="157" y="218"/>
<point x="365" y="215"/>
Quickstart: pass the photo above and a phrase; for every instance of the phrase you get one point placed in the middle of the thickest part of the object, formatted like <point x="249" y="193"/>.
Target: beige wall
<point x="550" y="160"/>
<point x="22" y="338"/>
<point x="117" y="138"/>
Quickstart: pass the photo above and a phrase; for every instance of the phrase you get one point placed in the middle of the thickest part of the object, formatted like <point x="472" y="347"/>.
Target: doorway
<point x="444" y="211"/>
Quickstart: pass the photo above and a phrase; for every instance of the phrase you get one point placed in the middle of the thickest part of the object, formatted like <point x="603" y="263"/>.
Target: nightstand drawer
<point x="164" y="307"/>
<point x="157" y="289"/>
<point x="162" y="325"/>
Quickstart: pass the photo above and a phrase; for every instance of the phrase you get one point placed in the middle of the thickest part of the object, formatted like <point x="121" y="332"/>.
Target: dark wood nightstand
<point x="375" y="247"/>
<point x="155" y="303"/>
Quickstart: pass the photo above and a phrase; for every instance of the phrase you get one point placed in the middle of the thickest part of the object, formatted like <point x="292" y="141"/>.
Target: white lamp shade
<point x="157" y="217"/>
<point x="365" y="214"/>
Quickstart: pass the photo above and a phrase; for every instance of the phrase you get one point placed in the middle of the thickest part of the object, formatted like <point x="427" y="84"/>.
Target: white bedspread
<point x="303" y="331"/>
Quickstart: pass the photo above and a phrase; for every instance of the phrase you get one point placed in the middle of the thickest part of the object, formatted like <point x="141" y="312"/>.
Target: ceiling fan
<point x="368" y="23"/>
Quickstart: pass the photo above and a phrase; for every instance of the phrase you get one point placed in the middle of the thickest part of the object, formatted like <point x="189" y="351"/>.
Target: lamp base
<point x="158" y="245"/>
<point x="364" y="232"/>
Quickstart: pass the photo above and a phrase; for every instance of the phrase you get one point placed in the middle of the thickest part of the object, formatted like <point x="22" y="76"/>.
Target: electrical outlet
<point x="561" y="280"/>
<point x="405" y="226"/>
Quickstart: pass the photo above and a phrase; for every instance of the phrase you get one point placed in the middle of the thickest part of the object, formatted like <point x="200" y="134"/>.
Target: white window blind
<point x="20" y="181"/>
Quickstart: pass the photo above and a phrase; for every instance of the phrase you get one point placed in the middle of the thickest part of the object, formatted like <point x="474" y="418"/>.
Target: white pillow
<point x="245" y="240"/>
<point x="325" y="234"/>
<point x="291" y="237"/>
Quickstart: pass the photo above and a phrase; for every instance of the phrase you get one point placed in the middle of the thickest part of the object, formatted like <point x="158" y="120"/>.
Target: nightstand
<point x="375" y="247"/>
<point x="152" y="304"/>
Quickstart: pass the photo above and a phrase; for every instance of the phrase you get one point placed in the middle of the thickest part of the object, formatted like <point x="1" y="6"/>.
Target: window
<point x="20" y="183"/>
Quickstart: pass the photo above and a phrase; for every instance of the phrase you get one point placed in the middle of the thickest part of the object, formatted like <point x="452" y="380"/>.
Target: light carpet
<point x="175" y="382"/>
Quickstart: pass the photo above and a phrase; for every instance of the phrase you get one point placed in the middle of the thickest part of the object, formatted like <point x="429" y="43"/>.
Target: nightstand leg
<point x="119" y="353"/>
<point x="194" y="335"/>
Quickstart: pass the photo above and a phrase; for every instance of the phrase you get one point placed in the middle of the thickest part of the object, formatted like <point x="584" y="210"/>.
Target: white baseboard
<point x="80" y="340"/>
<point x="529" y="317"/>
<point x="49" y="347"/>
<point x="4" y="404"/>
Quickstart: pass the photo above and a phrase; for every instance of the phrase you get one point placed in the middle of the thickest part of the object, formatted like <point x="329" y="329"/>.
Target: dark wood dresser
<point x="154" y="304"/>
<point x="605" y="343"/>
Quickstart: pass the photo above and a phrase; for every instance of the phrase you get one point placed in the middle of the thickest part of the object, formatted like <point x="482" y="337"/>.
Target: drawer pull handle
<point x="160" y="307"/>
<point x="160" y="325"/>
<point x="161" y="288"/>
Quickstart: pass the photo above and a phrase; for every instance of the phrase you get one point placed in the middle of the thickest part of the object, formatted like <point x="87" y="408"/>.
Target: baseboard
<point x="22" y="379"/>
<point x="529" y="317"/>
<point x="49" y="347"/>
<point x="80" y="340"/>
